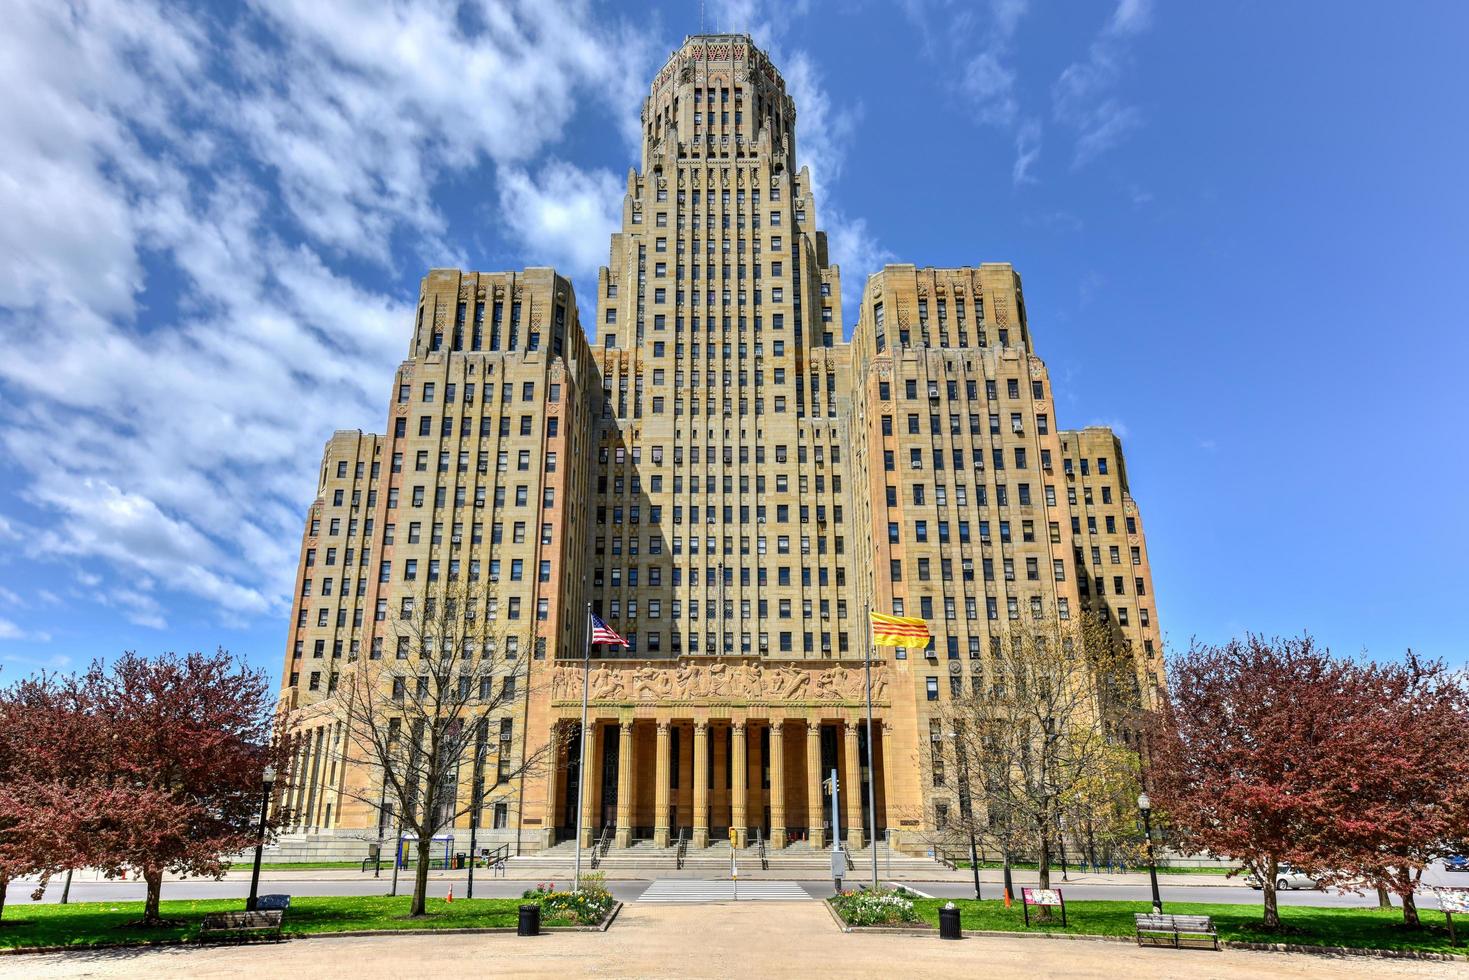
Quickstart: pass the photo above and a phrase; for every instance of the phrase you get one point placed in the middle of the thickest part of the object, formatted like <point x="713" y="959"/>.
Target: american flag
<point x="602" y="633"/>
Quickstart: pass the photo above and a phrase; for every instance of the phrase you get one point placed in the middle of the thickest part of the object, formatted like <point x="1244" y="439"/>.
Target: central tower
<point x="718" y="334"/>
<point x="719" y="522"/>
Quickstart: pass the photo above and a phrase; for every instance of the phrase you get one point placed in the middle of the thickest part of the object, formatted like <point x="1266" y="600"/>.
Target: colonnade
<point x="703" y="778"/>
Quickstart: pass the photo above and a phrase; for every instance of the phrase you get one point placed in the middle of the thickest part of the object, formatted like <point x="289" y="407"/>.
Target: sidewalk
<point x="745" y="939"/>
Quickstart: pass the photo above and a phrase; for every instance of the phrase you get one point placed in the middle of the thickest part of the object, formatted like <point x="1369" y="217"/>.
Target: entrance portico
<point x="671" y="757"/>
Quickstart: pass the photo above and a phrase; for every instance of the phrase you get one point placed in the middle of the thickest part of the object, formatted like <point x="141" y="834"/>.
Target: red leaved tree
<point x="187" y="740"/>
<point x="47" y="779"/>
<point x="1258" y="750"/>
<point x="1410" y="805"/>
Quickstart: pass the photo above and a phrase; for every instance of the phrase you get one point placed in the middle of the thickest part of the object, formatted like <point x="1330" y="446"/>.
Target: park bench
<point x="1157" y="929"/>
<point x="257" y="921"/>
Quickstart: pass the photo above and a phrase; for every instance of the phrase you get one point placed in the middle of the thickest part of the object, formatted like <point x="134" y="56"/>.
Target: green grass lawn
<point x="1310" y="926"/>
<point x="90" y="923"/>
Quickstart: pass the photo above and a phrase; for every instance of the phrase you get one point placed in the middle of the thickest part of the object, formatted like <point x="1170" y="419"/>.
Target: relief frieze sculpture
<point x="717" y="681"/>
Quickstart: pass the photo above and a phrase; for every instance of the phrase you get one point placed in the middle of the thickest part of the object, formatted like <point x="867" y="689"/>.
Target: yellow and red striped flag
<point x="899" y="631"/>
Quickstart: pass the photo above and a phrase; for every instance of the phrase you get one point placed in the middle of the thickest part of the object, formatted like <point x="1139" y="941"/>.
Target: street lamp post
<point x="474" y="826"/>
<point x="1146" y="805"/>
<point x="267" y="780"/>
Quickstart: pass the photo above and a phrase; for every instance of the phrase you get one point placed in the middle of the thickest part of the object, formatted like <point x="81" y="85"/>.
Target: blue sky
<point x="1243" y="228"/>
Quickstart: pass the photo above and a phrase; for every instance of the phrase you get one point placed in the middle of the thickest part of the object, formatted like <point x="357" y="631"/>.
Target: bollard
<point x="530" y="921"/>
<point x="949" y="922"/>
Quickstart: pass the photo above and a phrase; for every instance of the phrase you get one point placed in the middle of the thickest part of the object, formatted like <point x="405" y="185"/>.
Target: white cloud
<point x="10" y="631"/>
<point x="564" y="216"/>
<point x="824" y="130"/>
<point x="859" y="254"/>
<point x="180" y="204"/>
<point x="137" y="607"/>
<point x="1131" y="16"/>
<point x="1027" y="151"/>
<point x="992" y="87"/>
<point x="365" y="118"/>
<point x="1082" y="98"/>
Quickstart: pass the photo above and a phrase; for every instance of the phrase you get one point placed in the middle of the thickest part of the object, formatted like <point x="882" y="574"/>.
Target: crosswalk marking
<point x="700" y="890"/>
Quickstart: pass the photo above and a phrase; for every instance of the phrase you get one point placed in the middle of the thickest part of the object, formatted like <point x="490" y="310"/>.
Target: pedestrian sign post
<point x="1452" y="902"/>
<point x="1043" y="898"/>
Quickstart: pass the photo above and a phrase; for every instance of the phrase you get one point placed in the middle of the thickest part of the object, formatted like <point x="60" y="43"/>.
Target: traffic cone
<point x="450" y="899"/>
<point x="1007" y="898"/>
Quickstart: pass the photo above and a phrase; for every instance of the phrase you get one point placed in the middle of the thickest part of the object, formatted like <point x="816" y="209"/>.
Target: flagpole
<point x="581" y="766"/>
<point x="871" y="769"/>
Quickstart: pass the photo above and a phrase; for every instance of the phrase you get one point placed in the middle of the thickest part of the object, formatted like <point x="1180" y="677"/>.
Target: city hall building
<point x="731" y="486"/>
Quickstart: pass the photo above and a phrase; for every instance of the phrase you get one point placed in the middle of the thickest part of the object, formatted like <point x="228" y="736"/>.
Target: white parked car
<point x="1286" y="877"/>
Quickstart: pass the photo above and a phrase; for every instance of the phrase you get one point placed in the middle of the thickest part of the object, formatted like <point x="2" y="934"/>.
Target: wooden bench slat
<point x="242" y="921"/>
<point x="1158" y="929"/>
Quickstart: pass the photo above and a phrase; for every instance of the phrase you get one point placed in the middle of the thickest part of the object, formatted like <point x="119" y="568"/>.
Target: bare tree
<point x="1041" y="747"/>
<point x="437" y="693"/>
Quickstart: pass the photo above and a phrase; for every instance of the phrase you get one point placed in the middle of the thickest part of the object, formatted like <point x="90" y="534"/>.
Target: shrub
<point x="865" y="908"/>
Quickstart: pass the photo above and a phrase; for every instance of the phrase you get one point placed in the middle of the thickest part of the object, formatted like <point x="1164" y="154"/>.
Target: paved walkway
<point x="745" y="940"/>
<point x="688" y="890"/>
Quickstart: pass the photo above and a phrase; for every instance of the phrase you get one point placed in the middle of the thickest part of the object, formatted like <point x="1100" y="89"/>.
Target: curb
<point x="1386" y="954"/>
<point x="876" y="930"/>
<point x="602" y="926"/>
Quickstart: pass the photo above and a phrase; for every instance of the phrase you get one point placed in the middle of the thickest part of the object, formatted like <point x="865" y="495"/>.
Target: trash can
<point x="949" y="922"/>
<point x="530" y="921"/>
<point x="459" y="861"/>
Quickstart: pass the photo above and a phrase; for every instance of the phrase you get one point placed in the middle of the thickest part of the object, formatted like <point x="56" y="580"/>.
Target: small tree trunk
<point x="1043" y="863"/>
<point x="1410" y="910"/>
<point x="4" y="882"/>
<point x="154" y="878"/>
<point x="1272" y="912"/>
<point x="420" y="877"/>
<point x="1384" y="897"/>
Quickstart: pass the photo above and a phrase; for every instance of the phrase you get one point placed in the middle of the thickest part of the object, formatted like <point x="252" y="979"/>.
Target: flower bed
<point x="586" y="907"/>
<point x="884" y="908"/>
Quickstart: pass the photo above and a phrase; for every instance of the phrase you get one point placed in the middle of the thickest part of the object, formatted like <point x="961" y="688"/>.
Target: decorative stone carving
<point x="717" y="681"/>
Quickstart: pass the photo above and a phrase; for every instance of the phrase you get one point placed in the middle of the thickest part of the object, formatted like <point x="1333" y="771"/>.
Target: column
<point x="660" y="791"/>
<point x="852" y="787"/>
<point x="624" y="786"/>
<point x="739" y="784"/>
<point x="561" y="749"/>
<point x="813" y="784"/>
<point x="777" y="784"/>
<point x="592" y="782"/>
<point x="701" y="784"/>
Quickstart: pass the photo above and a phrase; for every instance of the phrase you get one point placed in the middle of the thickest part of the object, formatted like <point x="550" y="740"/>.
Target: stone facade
<point x="730" y="485"/>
